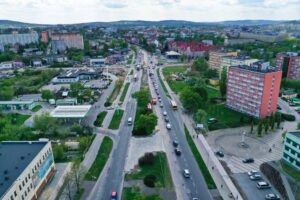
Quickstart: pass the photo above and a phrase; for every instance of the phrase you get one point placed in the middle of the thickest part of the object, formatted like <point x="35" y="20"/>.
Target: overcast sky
<point x="76" y="11"/>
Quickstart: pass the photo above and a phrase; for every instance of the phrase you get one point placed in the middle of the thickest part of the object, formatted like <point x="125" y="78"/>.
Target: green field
<point x="131" y="193"/>
<point x="100" y="118"/>
<point x="124" y="92"/>
<point x="208" y="178"/>
<point x="101" y="159"/>
<point x="160" y="169"/>
<point x="116" y="119"/>
<point x="36" y="108"/>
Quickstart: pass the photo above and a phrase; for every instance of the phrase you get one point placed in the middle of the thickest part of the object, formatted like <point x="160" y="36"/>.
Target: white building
<point x="6" y="65"/>
<point x="97" y="62"/>
<point x="71" y="113"/>
<point x="21" y="39"/>
<point x="25" y="168"/>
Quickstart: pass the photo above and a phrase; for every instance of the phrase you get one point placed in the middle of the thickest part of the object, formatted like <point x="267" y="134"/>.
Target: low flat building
<point x="97" y="62"/>
<point x="71" y="113"/>
<point x="67" y="101"/>
<point x="26" y="167"/>
<point x="172" y="55"/>
<point x="73" y="76"/>
<point x="291" y="149"/>
<point x="16" y="105"/>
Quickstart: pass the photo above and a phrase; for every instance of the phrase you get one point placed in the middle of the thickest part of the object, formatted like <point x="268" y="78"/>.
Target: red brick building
<point x="45" y="37"/>
<point x="253" y="90"/>
<point x="289" y="63"/>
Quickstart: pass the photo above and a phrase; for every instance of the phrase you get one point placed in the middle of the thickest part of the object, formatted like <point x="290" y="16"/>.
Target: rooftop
<point x="14" y="158"/>
<point x="295" y="133"/>
<point x="78" y="111"/>
<point x="15" y="102"/>
<point x="260" y="67"/>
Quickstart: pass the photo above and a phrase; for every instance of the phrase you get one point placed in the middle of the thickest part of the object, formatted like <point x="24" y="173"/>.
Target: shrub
<point x="107" y="104"/>
<point x="288" y="117"/>
<point x="149" y="180"/>
<point x="147" y="159"/>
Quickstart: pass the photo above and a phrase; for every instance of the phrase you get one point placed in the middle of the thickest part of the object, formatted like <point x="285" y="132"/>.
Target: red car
<point x="114" y="196"/>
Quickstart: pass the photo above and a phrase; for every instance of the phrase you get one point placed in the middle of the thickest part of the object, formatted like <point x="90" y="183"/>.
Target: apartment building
<point x="216" y="56"/>
<point x="227" y="61"/>
<point x="71" y="40"/>
<point x="22" y="39"/>
<point x="289" y="63"/>
<point x="44" y="37"/>
<point x="291" y="149"/>
<point x="26" y="167"/>
<point x="253" y="89"/>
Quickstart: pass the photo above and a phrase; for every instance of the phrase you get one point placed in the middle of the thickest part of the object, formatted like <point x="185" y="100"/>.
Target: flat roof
<point x="172" y="53"/>
<point x="76" y="111"/>
<point x="295" y="133"/>
<point x="15" y="156"/>
<point x="15" y="102"/>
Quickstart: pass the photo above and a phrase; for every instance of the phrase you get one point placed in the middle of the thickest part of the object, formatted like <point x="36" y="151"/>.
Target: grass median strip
<point x="116" y="119"/>
<point x="201" y="164"/>
<point x="124" y="92"/>
<point x="36" y="108"/>
<point x="162" y="83"/>
<point x="100" y="118"/>
<point x="114" y="93"/>
<point x="101" y="159"/>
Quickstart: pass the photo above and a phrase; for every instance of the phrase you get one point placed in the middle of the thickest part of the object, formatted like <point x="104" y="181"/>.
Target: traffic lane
<point x="197" y="185"/>
<point x="250" y="189"/>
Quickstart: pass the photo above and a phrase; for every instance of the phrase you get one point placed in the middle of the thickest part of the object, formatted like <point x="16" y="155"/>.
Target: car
<point x="165" y="113"/>
<point x="272" y="196"/>
<point x="248" y="160"/>
<point x="159" y="100"/>
<point x="158" y="97"/>
<point x="292" y="104"/>
<point x="255" y="177"/>
<point x="194" y="198"/>
<point x="175" y="143"/>
<point x="168" y="126"/>
<point x="252" y="172"/>
<point x="220" y="154"/>
<point x="278" y="107"/>
<point x="167" y="119"/>
<point x="157" y="92"/>
<point x="186" y="173"/>
<point x="161" y="105"/>
<point x="212" y="120"/>
<point x="263" y="185"/>
<point x="114" y="195"/>
<point x="177" y="151"/>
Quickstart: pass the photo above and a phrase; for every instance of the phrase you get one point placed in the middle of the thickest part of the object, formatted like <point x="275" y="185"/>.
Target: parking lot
<point x="250" y="189"/>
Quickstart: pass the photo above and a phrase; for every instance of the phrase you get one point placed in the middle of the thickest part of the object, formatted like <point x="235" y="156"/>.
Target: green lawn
<point x="100" y="118"/>
<point x="131" y="193"/>
<point x="160" y="169"/>
<point x="36" y="108"/>
<point x="176" y="86"/>
<point x="101" y="159"/>
<point x="116" y="119"/>
<point x="208" y="178"/>
<point x="14" y="119"/>
<point x="124" y="92"/>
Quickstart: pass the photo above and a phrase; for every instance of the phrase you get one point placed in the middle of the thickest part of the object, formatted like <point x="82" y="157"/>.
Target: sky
<point x="78" y="11"/>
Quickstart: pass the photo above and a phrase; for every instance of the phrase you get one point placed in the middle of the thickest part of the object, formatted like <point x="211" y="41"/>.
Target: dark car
<point x="175" y="143"/>
<point x="278" y="107"/>
<point x="177" y="151"/>
<point x="248" y="160"/>
<point x="220" y="154"/>
<point x="167" y="119"/>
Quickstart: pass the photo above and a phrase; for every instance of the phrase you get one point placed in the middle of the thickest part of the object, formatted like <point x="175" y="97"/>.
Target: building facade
<point x="253" y="90"/>
<point x="25" y="176"/>
<point x="71" y="40"/>
<point x="44" y="37"/>
<point x="227" y="61"/>
<point x="289" y="63"/>
<point x="215" y="58"/>
<point x="291" y="149"/>
<point x="21" y="39"/>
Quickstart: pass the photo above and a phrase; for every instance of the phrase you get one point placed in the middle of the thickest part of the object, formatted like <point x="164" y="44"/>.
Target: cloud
<point x="115" y="3"/>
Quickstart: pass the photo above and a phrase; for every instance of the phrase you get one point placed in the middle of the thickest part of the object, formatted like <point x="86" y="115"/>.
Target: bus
<point x="174" y="105"/>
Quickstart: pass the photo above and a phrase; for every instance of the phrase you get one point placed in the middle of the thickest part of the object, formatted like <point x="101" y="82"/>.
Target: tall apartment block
<point x="72" y="40"/>
<point x="253" y="89"/>
<point x="44" y="37"/>
<point x="216" y="56"/>
<point x="289" y="63"/>
<point x="21" y="39"/>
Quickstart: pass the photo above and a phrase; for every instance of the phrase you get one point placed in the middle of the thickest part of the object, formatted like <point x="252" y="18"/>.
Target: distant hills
<point x="9" y="23"/>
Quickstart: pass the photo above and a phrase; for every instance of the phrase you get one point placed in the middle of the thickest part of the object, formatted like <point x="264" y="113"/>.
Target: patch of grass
<point x="131" y="72"/>
<point x="14" y="119"/>
<point x="124" y="92"/>
<point x="291" y="171"/>
<point x="100" y="118"/>
<point x="130" y="193"/>
<point x="207" y="176"/>
<point x="79" y="195"/>
<point x="160" y="169"/>
<point x="36" y="108"/>
<point x="115" y="92"/>
<point x="162" y="83"/>
<point x="130" y="59"/>
<point x="116" y="119"/>
<point x="101" y="159"/>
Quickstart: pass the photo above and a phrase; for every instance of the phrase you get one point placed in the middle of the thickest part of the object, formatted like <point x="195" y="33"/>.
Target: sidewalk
<point x="221" y="178"/>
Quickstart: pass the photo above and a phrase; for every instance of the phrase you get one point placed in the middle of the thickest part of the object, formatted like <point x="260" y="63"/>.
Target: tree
<point x="145" y="124"/>
<point x="259" y="128"/>
<point x="47" y="94"/>
<point x="272" y="121"/>
<point x="223" y="82"/>
<point x="252" y="125"/>
<point x="298" y="126"/>
<point x="278" y="119"/>
<point x="201" y="117"/>
<point x="83" y="143"/>
<point x="58" y="152"/>
<point x="200" y="65"/>
<point x="6" y="93"/>
<point x="76" y="88"/>
<point x="201" y="91"/>
<point x="266" y="125"/>
<point x="190" y="99"/>
<point x="44" y="123"/>
<point x="77" y="174"/>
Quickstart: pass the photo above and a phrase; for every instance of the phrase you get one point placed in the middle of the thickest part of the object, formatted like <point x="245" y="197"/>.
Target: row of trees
<point x="269" y="123"/>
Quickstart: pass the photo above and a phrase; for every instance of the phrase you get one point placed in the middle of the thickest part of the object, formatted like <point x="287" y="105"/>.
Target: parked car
<point x="165" y="113"/>
<point x="212" y="120"/>
<point x="248" y="160"/>
<point x="220" y="154"/>
<point x="263" y="185"/>
<point x="114" y="195"/>
<point x="252" y="172"/>
<point x="161" y="105"/>
<point x="168" y="126"/>
<point x="175" y="143"/>
<point x="177" y="151"/>
<point x="278" y="107"/>
<point x="255" y="177"/>
<point x="272" y="196"/>
<point x="186" y="173"/>
<point x="167" y="119"/>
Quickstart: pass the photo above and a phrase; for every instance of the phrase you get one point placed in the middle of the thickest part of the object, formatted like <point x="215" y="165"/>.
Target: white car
<point x="168" y="126"/>
<point x="252" y="172"/>
<point x="186" y="173"/>
<point x="165" y="113"/>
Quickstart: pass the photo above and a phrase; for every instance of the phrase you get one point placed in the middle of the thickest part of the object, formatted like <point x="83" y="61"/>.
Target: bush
<point x="107" y="104"/>
<point x="149" y="180"/>
<point x="288" y="117"/>
<point x="147" y="159"/>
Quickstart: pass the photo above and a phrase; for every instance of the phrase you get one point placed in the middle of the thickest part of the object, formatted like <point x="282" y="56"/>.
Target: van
<point x="262" y="185"/>
<point x="186" y="173"/>
<point x="129" y="121"/>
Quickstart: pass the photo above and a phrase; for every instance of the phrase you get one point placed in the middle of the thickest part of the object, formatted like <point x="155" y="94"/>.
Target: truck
<point x="154" y="101"/>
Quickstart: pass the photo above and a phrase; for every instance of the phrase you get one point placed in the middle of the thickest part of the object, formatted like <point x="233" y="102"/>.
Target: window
<point x="31" y="185"/>
<point x="20" y="187"/>
<point x="23" y="183"/>
<point x="22" y="197"/>
<point x="11" y="197"/>
<point x="25" y="193"/>
<point x="15" y="193"/>
<point x="26" y="179"/>
<point x="28" y="189"/>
